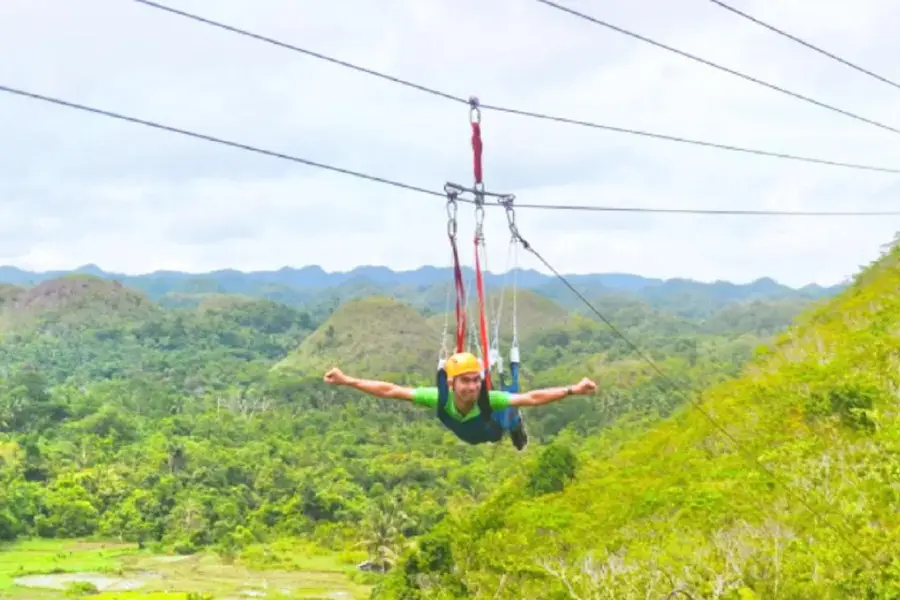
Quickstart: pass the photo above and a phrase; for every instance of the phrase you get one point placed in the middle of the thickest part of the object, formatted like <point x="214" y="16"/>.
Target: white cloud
<point x="78" y="188"/>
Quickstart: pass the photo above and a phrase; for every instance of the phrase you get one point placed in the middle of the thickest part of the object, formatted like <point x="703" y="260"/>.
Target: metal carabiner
<point x="452" y="208"/>
<point x="507" y="202"/>
<point x="479" y="221"/>
<point x="474" y="111"/>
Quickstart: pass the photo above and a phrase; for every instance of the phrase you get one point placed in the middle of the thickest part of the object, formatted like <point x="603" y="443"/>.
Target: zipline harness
<point x="488" y="350"/>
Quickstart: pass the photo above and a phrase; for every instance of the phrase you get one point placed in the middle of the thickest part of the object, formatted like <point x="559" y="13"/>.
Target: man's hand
<point x="381" y="389"/>
<point x="584" y="387"/>
<point x="336" y="377"/>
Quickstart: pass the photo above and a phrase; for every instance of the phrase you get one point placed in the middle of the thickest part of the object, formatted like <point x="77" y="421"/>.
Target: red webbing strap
<point x="483" y="322"/>
<point x="460" y="298"/>
<point x="477" y="147"/>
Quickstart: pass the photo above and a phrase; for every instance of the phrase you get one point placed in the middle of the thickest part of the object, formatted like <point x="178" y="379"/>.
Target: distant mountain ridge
<point x="314" y="277"/>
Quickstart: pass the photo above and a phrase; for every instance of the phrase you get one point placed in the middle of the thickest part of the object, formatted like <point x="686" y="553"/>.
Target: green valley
<point x="176" y="430"/>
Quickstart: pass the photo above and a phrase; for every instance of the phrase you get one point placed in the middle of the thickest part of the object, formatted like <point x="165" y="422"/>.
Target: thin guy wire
<point x="687" y="395"/>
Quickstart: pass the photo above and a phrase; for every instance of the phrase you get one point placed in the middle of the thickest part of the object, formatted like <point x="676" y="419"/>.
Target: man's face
<point x="466" y="386"/>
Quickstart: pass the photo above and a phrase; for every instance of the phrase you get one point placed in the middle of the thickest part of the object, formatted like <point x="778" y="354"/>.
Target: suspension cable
<point x="443" y="353"/>
<point x="512" y="111"/>
<point x="477" y="150"/>
<point x="429" y="192"/>
<point x="497" y="309"/>
<point x="805" y="43"/>
<point x="719" y="67"/>
<point x="457" y="271"/>
<point x="514" y="349"/>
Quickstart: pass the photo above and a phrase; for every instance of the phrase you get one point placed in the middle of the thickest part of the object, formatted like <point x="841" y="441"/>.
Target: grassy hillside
<point x="74" y="300"/>
<point x="87" y="329"/>
<point x="764" y="317"/>
<point x="9" y="293"/>
<point x="535" y="313"/>
<point x="681" y="508"/>
<point x="370" y="337"/>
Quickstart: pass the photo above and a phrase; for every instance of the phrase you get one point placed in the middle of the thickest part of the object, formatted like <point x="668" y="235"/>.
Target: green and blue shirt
<point x="428" y="396"/>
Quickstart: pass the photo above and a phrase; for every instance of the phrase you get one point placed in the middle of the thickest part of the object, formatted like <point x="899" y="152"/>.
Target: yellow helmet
<point x="462" y="362"/>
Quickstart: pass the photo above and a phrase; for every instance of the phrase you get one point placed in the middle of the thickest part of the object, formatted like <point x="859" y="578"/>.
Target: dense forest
<point x="196" y="420"/>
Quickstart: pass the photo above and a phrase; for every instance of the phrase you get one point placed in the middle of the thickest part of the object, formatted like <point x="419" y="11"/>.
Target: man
<point x="460" y="399"/>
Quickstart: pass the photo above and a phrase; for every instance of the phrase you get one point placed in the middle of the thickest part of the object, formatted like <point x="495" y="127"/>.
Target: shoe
<point x="519" y="436"/>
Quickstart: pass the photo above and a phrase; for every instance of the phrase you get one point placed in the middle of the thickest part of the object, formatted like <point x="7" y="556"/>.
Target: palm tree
<point x="383" y="532"/>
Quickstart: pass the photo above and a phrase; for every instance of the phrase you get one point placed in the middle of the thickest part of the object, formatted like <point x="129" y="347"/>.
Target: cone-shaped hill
<point x="371" y="337"/>
<point x="9" y="294"/>
<point x="73" y="300"/>
<point x="535" y="314"/>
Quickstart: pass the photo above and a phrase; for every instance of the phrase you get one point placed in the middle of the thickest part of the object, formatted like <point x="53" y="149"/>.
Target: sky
<point x="79" y="188"/>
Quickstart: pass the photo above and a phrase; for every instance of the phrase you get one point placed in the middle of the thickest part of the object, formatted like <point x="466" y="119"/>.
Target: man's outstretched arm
<point x="380" y="389"/>
<point x="548" y="395"/>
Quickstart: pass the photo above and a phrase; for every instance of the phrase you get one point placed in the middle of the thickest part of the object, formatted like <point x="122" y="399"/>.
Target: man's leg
<point x="510" y="419"/>
<point x="517" y="433"/>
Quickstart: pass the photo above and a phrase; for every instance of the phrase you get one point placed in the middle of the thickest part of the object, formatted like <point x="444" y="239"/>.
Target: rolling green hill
<point x="73" y="300"/>
<point x="9" y="293"/>
<point x="534" y="313"/>
<point x="680" y="509"/>
<point x="85" y="328"/>
<point x="374" y="338"/>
